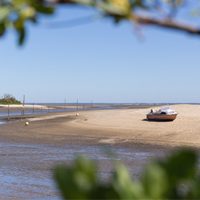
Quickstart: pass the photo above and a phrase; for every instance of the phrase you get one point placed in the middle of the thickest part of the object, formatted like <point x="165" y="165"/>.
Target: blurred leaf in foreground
<point x="176" y="177"/>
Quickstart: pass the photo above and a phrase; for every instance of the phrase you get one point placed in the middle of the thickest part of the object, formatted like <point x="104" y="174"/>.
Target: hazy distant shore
<point x="123" y="126"/>
<point x="22" y="106"/>
<point x="19" y="111"/>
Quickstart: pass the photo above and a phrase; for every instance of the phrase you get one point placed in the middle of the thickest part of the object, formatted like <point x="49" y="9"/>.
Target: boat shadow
<point x="155" y="121"/>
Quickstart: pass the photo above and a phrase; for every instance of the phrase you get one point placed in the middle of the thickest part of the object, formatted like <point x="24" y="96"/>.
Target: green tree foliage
<point x="176" y="177"/>
<point x="15" y="14"/>
<point x="9" y="99"/>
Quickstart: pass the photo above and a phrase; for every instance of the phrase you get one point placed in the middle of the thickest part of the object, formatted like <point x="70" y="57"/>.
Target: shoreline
<point x="103" y="127"/>
<point x="26" y="106"/>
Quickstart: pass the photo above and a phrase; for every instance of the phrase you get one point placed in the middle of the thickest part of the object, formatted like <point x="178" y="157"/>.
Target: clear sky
<point x="100" y="62"/>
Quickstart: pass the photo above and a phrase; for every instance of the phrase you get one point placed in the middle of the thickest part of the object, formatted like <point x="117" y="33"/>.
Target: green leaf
<point x="44" y="9"/>
<point x="175" y="177"/>
<point x="155" y="182"/>
<point x="124" y="185"/>
<point x="181" y="165"/>
<point x="21" y="35"/>
<point x="77" y="181"/>
<point x="2" y="28"/>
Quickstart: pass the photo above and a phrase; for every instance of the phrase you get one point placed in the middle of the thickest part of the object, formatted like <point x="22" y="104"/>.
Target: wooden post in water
<point x="77" y="105"/>
<point x="8" y="112"/>
<point x="33" y="108"/>
<point x="91" y="104"/>
<point x="47" y="108"/>
<point x="65" y="103"/>
<point x="23" y="105"/>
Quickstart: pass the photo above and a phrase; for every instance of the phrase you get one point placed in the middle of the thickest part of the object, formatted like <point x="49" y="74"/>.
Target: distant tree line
<point x="9" y="99"/>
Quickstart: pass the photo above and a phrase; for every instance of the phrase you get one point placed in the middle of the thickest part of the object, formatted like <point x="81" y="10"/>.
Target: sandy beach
<point x="110" y="126"/>
<point x="131" y="126"/>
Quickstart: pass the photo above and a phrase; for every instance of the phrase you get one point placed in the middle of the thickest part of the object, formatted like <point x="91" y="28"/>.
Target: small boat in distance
<point x="163" y="114"/>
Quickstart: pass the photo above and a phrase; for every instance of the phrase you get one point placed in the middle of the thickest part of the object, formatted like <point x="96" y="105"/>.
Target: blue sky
<point x="100" y="62"/>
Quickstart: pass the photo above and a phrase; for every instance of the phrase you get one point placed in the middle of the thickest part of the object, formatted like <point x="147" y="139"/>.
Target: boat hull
<point x="161" y="117"/>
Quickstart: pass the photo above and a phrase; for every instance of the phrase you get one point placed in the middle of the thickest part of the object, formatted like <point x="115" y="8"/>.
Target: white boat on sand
<point x="163" y="114"/>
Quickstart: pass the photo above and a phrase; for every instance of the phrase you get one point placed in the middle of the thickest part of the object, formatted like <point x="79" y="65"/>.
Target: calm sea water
<point x="60" y="107"/>
<point x="25" y="171"/>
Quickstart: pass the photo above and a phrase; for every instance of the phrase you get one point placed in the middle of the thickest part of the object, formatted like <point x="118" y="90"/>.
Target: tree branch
<point x="162" y="23"/>
<point x="169" y="24"/>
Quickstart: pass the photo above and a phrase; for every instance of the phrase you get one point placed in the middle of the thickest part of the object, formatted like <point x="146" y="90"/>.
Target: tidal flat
<point x="29" y="153"/>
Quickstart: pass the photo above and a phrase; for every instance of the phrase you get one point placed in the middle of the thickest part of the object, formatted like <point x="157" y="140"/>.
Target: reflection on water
<point x="25" y="171"/>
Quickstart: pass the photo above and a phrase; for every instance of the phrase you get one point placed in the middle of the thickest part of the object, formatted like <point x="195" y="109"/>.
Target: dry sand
<point x="131" y="125"/>
<point x="111" y="126"/>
